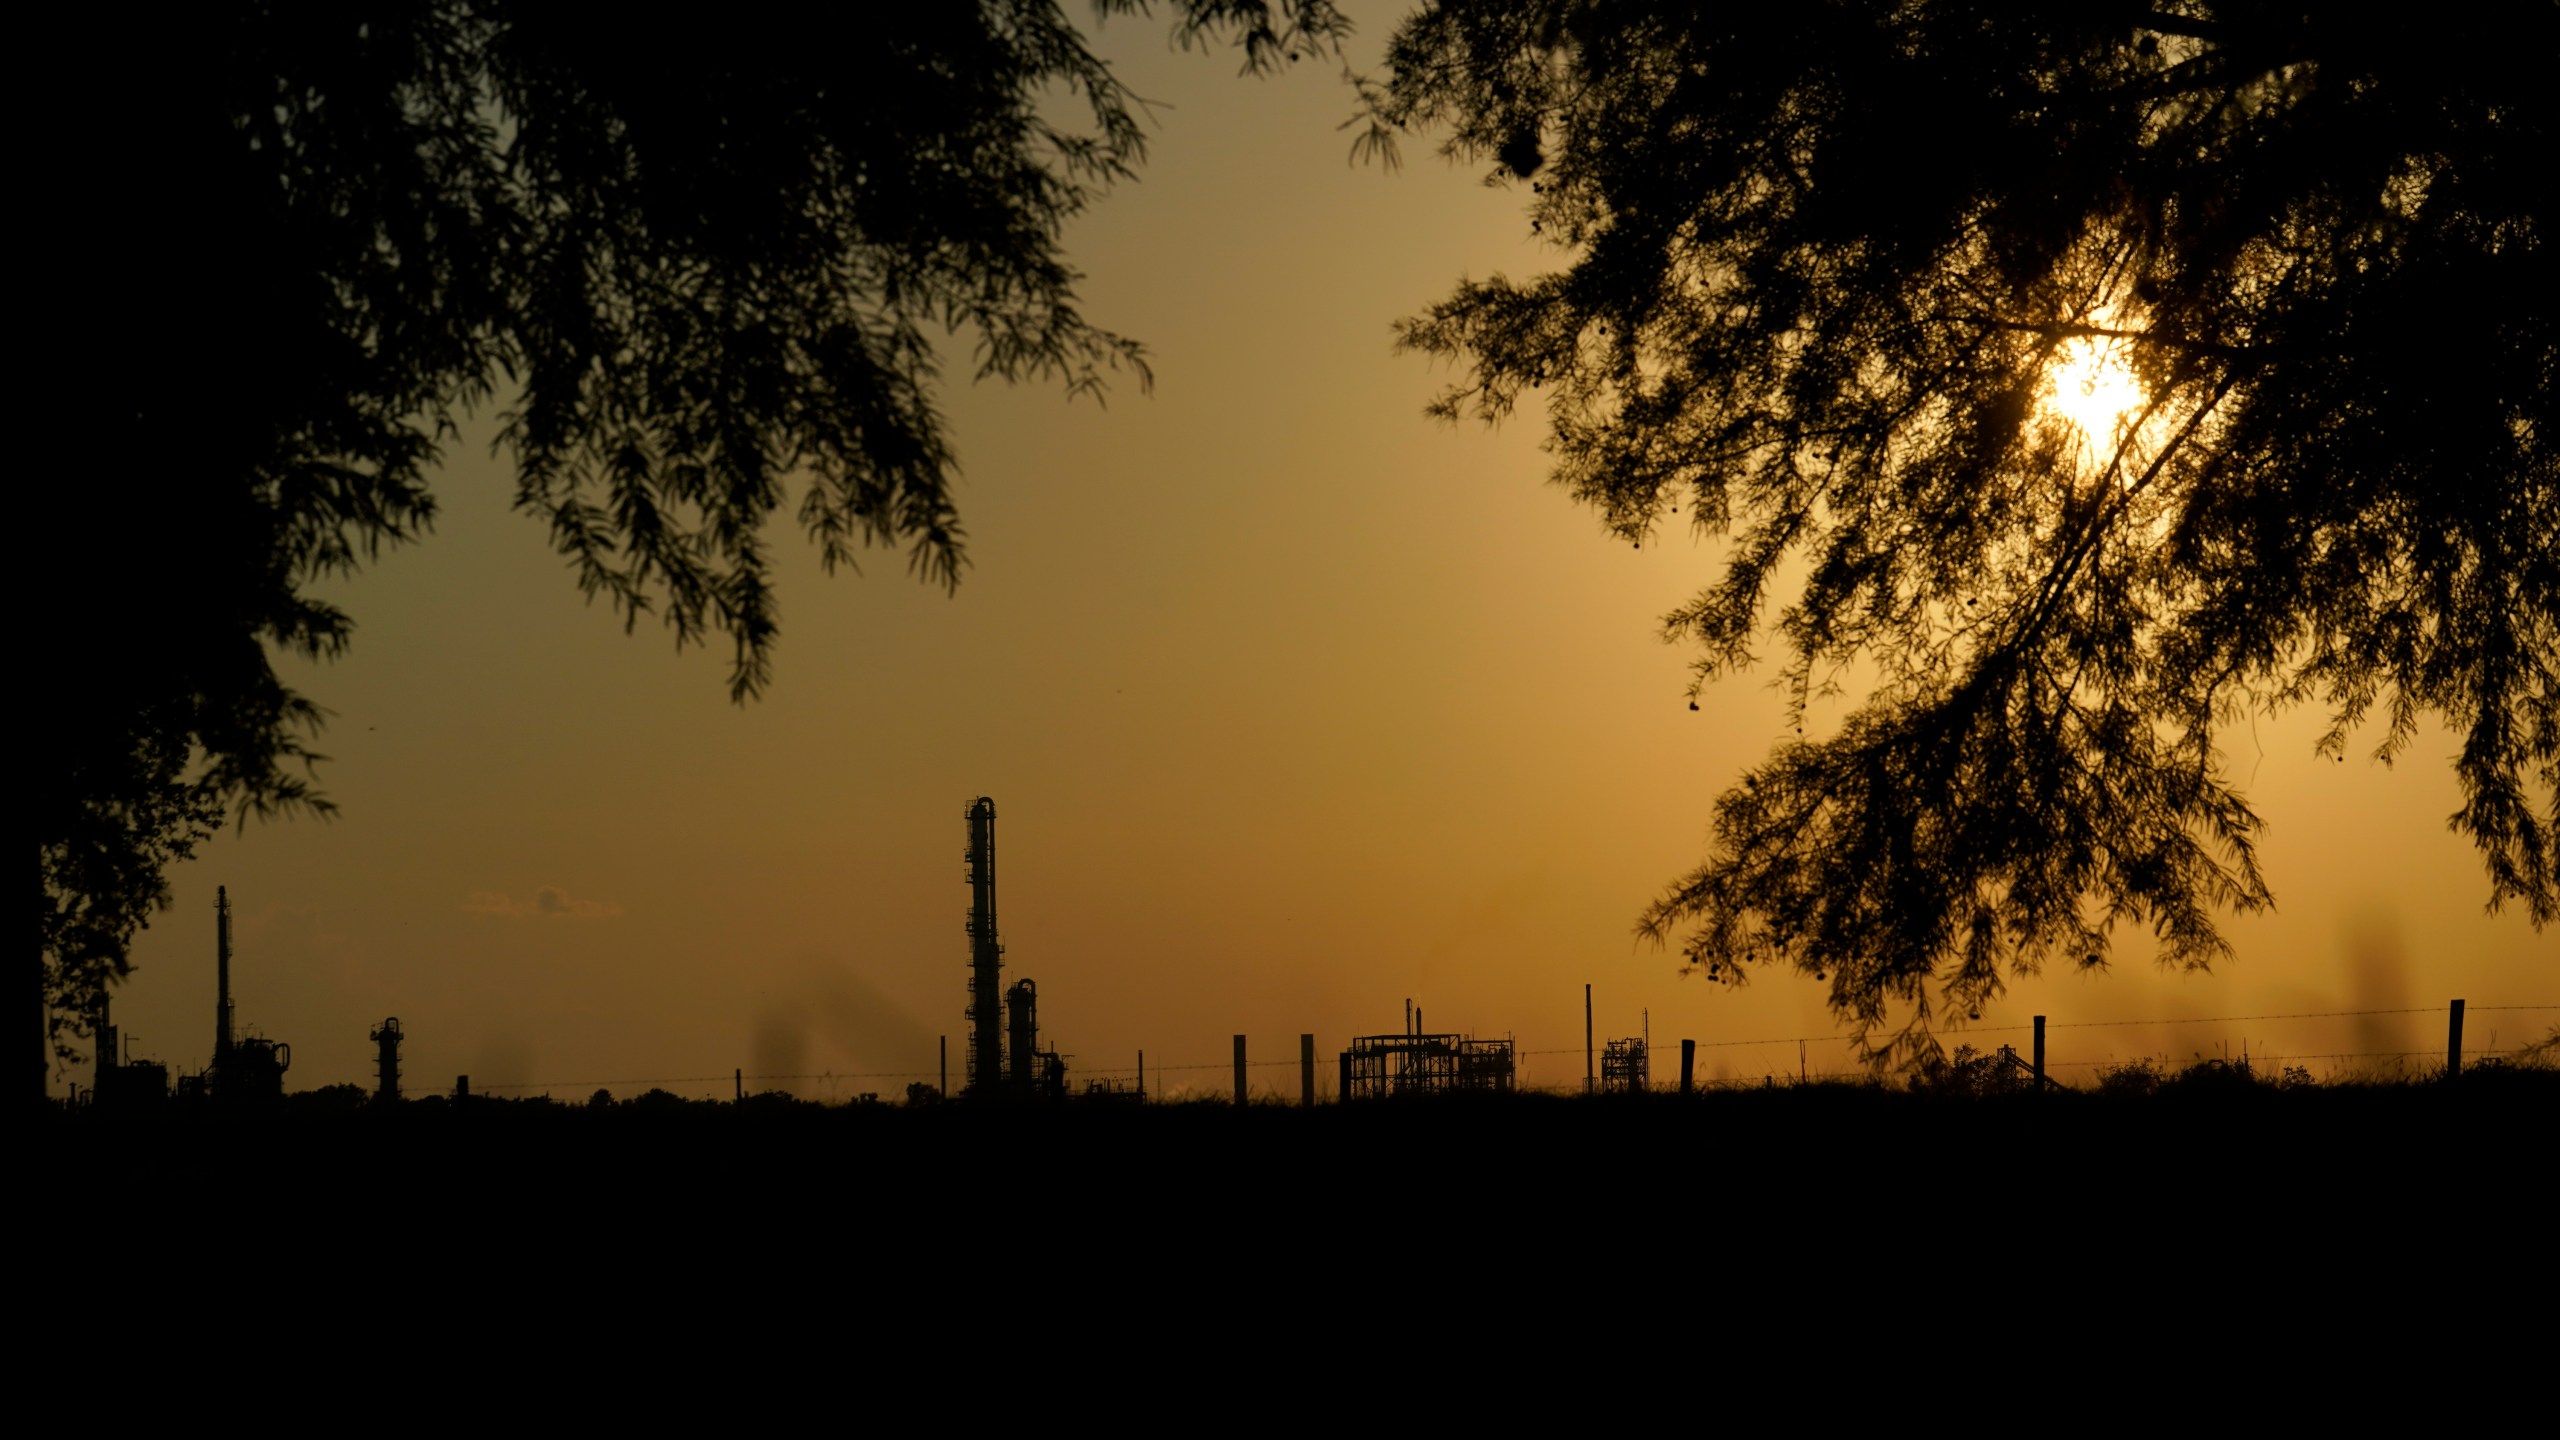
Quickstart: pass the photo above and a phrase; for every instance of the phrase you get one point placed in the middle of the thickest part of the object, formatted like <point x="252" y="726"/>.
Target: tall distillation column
<point x="386" y="1061"/>
<point x="1022" y="1040"/>
<point x="986" y="957"/>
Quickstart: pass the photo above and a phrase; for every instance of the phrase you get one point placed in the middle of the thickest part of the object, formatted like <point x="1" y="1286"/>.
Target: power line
<point x="706" y="1079"/>
<point x="2237" y="1019"/>
<point x="2255" y="1059"/>
<point x="572" y="1084"/>
<point x="2098" y="1024"/>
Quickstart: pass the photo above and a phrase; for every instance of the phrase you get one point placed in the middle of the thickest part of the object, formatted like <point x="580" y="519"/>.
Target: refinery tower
<point x="986" y="955"/>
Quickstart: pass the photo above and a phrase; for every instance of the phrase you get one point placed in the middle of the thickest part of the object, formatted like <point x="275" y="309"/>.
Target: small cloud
<point x="548" y="902"/>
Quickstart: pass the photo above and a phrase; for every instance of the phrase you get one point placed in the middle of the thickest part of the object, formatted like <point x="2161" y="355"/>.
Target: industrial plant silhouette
<point x="1008" y="1065"/>
<point x="1427" y="1134"/>
<point x="1006" y="1061"/>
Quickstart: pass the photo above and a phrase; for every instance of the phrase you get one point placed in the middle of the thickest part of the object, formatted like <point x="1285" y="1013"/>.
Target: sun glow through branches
<point x="2091" y="386"/>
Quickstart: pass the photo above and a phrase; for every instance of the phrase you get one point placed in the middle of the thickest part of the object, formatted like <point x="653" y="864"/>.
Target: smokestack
<point x="986" y="956"/>
<point x="221" y="977"/>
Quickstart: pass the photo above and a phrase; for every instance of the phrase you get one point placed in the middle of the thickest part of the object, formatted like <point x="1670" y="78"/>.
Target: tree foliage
<point x="136" y="812"/>
<point x="1829" y="267"/>
<point x="704" y="261"/>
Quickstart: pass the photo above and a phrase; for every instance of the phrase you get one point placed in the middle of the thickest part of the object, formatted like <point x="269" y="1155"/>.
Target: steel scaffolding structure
<point x="1377" y="1066"/>
<point x="1625" y="1067"/>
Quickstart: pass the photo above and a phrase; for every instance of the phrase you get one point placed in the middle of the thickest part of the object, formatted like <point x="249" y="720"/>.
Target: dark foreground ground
<point x="2198" y="1158"/>
<point x="1443" y="1230"/>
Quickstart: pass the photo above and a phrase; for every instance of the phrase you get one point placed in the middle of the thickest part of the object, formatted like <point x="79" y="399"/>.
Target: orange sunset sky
<point x="1294" y="704"/>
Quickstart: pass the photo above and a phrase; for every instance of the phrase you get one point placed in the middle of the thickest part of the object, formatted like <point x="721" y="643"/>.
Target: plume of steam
<point x="502" y="1060"/>
<point x="828" y="1018"/>
<point x="780" y="1047"/>
<point x="2378" y="969"/>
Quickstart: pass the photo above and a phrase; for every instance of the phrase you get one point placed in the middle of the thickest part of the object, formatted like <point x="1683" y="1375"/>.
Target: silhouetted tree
<point x="1829" y="264"/>
<point x="700" y="256"/>
<point x="127" y="813"/>
<point x="341" y="1099"/>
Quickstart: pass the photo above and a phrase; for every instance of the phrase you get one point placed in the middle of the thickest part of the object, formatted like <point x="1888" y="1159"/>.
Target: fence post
<point x="1307" y="1071"/>
<point x="2039" y="1054"/>
<point x="1586" y="1038"/>
<point x="2453" y="1042"/>
<point x="1240" y="1092"/>
<point x="740" y="1077"/>
<point x="1688" y="1066"/>
<point x="1344" y="1093"/>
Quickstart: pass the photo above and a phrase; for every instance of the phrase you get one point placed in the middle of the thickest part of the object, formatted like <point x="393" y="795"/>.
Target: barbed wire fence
<point x="832" y="1079"/>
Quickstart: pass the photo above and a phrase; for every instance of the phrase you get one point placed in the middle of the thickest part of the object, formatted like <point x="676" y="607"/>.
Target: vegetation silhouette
<point x="1844" y="285"/>
<point x="1731" y="1149"/>
<point x="699" y="257"/>
<point x="1871" y="1212"/>
<point x="1865" y="1189"/>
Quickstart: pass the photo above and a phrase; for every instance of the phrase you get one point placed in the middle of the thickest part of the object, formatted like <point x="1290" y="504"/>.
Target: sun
<point x="2092" y="387"/>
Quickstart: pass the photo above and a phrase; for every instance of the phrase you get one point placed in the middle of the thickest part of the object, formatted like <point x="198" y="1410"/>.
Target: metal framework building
<point x="1418" y="1063"/>
<point x="120" y="1081"/>
<point x="1626" y="1067"/>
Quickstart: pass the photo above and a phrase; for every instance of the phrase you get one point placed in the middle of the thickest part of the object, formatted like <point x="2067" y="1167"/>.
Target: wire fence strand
<point x="1187" y="1067"/>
